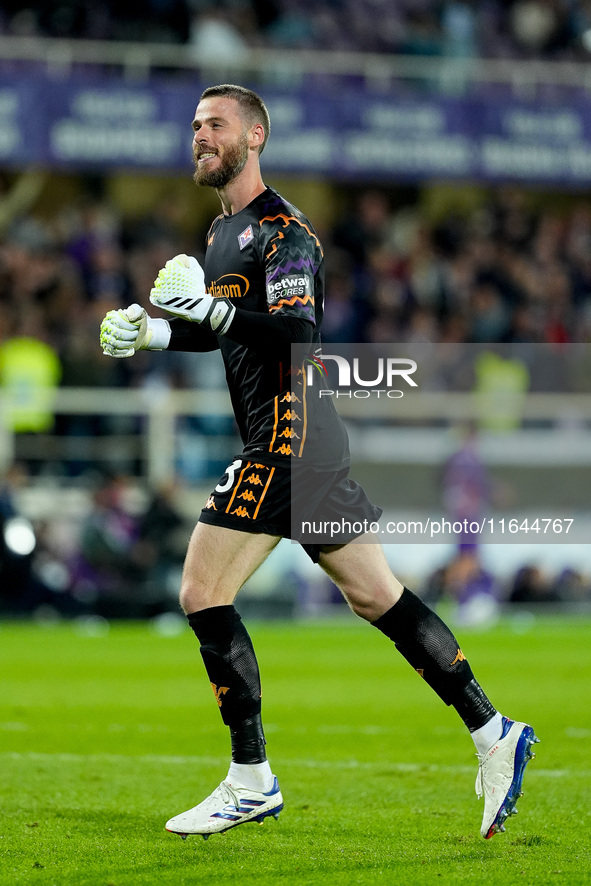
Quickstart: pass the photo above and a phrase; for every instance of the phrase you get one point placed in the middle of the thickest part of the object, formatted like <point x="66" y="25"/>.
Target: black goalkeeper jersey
<point x="267" y="259"/>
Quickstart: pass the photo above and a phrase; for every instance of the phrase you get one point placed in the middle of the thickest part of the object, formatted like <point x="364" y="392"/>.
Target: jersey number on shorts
<point x="230" y="473"/>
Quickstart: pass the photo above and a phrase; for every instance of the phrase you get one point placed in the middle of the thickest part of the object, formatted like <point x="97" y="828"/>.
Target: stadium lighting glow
<point x="19" y="536"/>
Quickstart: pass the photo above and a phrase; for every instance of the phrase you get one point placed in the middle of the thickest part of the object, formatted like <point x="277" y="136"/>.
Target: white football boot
<point x="500" y="774"/>
<point x="226" y="808"/>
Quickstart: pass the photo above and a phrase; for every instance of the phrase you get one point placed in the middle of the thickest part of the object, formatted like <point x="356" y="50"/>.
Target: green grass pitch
<point x="103" y="737"/>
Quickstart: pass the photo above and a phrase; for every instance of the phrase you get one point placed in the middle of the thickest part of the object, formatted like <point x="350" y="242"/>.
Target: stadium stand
<point x="406" y="262"/>
<point x="554" y="29"/>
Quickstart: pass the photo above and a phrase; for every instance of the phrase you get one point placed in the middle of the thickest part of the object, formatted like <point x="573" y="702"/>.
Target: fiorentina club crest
<point x="245" y="237"/>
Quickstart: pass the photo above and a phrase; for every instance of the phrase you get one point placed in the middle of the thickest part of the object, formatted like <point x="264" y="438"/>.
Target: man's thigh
<point x="362" y="573"/>
<point x="218" y="562"/>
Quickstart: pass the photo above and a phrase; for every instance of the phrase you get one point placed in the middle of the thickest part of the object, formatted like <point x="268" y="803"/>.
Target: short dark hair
<point x="253" y="107"/>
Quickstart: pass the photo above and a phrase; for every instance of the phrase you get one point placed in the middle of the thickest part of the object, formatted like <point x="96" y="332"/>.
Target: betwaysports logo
<point x="360" y="377"/>
<point x="294" y="286"/>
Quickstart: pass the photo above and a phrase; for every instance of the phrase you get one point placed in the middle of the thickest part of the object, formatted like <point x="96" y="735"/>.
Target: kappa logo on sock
<point x="459" y="657"/>
<point x="219" y="692"/>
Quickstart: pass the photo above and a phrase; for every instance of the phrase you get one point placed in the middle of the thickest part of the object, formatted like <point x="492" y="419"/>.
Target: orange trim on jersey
<point x="275" y="423"/>
<point x="271" y="472"/>
<point x="287" y="219"/>
<point x="305" y="412"/>
<point x="242" y="472"/>
<point x="305" y="421"/>
<point x="290" y="302"/>
<point x="210" y="236"/>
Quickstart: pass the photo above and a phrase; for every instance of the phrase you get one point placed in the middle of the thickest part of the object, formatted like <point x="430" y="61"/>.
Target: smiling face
<point x="221" y="142"/>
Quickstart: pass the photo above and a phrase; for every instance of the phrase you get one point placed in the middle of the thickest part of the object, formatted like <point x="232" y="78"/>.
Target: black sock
<point x="430" y="647"/>
<point x="231" y="665"/>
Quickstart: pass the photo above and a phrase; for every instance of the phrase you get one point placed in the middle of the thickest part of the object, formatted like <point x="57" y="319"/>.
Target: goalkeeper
<point x="262" y="290"/>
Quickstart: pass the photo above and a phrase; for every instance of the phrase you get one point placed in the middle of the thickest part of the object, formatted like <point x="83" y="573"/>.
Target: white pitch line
<point x="171" y="760"/>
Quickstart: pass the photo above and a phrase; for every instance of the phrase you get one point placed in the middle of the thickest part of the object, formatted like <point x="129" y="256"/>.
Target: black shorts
<point x="314" y="508"/>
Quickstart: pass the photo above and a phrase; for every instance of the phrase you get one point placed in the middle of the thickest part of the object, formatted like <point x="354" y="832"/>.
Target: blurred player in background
<point x="262" y="290"/>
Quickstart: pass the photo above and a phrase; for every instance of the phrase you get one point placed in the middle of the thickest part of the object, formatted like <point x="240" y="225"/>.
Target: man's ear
<point x="256" y="136"/>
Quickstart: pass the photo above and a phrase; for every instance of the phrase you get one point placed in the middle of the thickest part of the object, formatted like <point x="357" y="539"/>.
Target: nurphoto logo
<point x="374" y="376"/>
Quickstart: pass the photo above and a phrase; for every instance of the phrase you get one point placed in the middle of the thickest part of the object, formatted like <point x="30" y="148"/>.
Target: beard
<point x="232" y="164"/>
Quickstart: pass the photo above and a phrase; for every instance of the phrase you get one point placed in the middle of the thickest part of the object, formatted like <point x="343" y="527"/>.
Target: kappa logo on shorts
<point x="240" y="512"/>
<point x="289" y="432"/>
<point x="254" y="479"/>
<point x="290" y="397"/>
<point x="235" y="496"/>
<point x="290" y="415"/>
<point x="284" y="450"/>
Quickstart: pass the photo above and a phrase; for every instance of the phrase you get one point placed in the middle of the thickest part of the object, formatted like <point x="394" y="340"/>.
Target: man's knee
<point x="196" y="594"/>
<point x="371" y="602"/>
<point x="364" y="577"/>
<point x="191" y="599"/>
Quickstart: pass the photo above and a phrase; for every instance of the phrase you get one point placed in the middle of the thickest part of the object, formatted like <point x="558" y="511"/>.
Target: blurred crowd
<point x="122" y="558"/>
<point x="502" y="270"/>
<point x="499" y="271"/>
<point x="556" y="29"/>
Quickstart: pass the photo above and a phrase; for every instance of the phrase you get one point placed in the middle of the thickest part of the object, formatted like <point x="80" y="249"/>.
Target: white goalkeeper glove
<point x="126" y="331"/>
<point x="180" y="289"/>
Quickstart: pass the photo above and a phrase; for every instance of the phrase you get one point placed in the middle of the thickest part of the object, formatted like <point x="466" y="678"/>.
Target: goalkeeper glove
<point x="126" y="331"/>
<point x="180" y="289"/>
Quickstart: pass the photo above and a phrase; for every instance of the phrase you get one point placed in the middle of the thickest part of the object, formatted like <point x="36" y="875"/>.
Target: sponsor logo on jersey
<point x="297" y="286"/>
<point x="229" y="286"/>
<point x="245" y="237"/>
